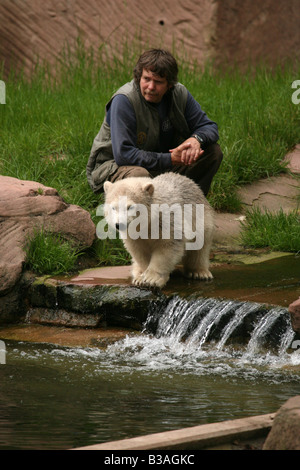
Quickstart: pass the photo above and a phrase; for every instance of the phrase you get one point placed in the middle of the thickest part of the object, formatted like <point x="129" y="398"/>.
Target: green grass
<point x="49" y="122"/>
<point x="48" y="253"/>
<point x="279" y="231"/>
<point x="257" y="120"/>
<point x="111" y="252"/>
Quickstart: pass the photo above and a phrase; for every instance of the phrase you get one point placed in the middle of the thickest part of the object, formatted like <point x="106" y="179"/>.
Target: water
<point x="189" y="367"/>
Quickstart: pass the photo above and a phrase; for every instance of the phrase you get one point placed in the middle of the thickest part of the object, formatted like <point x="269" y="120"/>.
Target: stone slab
<point x="227" y="228"/>
<point x="104" y="275"/>
<point x="272" y="193"/>
<point x="293" y="159"/>
<point x="67" y="337"/>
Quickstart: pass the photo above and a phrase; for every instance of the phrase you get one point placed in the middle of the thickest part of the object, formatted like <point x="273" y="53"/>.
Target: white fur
<point x="154" y="259"/>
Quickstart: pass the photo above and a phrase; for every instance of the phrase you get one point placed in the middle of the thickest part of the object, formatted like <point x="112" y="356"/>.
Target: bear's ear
<point x="149" y="188"/>
<point x="107" y="185"/>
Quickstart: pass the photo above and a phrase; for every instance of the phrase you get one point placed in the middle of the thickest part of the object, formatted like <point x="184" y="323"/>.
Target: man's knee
<point x="216" y="154"/>
<point x="139" y="171"/>
<point x="128" y="172"/>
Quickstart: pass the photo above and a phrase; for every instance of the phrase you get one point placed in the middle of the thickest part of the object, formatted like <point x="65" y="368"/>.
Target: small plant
<point x="49" y="253"/>
<point x="278" y="231"/>
<point x="111" y="252"/>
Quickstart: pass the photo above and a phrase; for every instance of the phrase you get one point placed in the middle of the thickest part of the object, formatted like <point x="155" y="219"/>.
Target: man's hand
<point x="187" y="152"/>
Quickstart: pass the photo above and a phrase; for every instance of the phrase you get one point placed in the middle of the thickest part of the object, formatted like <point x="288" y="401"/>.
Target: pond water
<point x="59" y="398"/>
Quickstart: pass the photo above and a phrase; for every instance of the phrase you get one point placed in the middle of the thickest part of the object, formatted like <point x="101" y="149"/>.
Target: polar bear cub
<point x="163" y="221"/>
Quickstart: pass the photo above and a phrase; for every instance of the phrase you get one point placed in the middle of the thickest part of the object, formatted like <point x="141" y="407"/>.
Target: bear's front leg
<point x="163" y="261"/>
<point x="154" y="278"/>
<point x="196" y="264"/>
<point x="136" y="273"/>
<point x="140" y="256"/>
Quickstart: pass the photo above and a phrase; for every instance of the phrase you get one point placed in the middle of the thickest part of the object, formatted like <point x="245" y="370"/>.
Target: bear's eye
<point x="130" y="208"/>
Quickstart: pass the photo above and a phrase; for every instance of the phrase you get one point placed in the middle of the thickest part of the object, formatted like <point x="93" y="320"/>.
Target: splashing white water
<point x="184" y="343"/>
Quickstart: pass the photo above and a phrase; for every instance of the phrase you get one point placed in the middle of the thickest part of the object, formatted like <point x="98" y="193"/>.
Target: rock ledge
<point x="24" y="207"/>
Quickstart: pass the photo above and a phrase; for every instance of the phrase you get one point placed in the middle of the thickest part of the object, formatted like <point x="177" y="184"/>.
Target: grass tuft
<point x="279" y="231"/>
<point x="49" y="253"/>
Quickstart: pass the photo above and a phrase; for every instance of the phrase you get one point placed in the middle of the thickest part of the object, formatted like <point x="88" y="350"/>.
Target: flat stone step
<point x="104" y="275"/>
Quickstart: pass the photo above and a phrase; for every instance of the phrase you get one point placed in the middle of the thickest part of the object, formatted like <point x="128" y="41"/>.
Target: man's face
<point x="153" y="87"/>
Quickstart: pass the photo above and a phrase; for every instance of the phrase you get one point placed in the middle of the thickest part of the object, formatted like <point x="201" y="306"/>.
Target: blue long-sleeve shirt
<point x="122" y="121"/>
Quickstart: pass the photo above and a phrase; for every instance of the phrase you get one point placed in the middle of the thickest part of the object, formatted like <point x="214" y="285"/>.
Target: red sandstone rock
<point x="294" y="310"/>
<point x="285" y="432"/>
<point x="232" y="32"/>
<point x="25" y="206"/>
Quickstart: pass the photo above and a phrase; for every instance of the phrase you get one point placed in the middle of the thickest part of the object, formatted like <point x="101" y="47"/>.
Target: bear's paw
<point x="202" y="275"/>
<point x="152" y="278"/>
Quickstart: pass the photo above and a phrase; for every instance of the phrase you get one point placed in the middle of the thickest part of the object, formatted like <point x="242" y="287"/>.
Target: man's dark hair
<point x="158" y="61"/>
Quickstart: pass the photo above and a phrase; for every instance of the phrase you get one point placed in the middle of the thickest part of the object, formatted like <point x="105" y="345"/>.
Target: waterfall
<point x="211" y="337"/>
<point x="261" y="329"/>
<point x="201" y="333"/>
<point x="199" y="322"/>
<point x="241" y="313"/>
